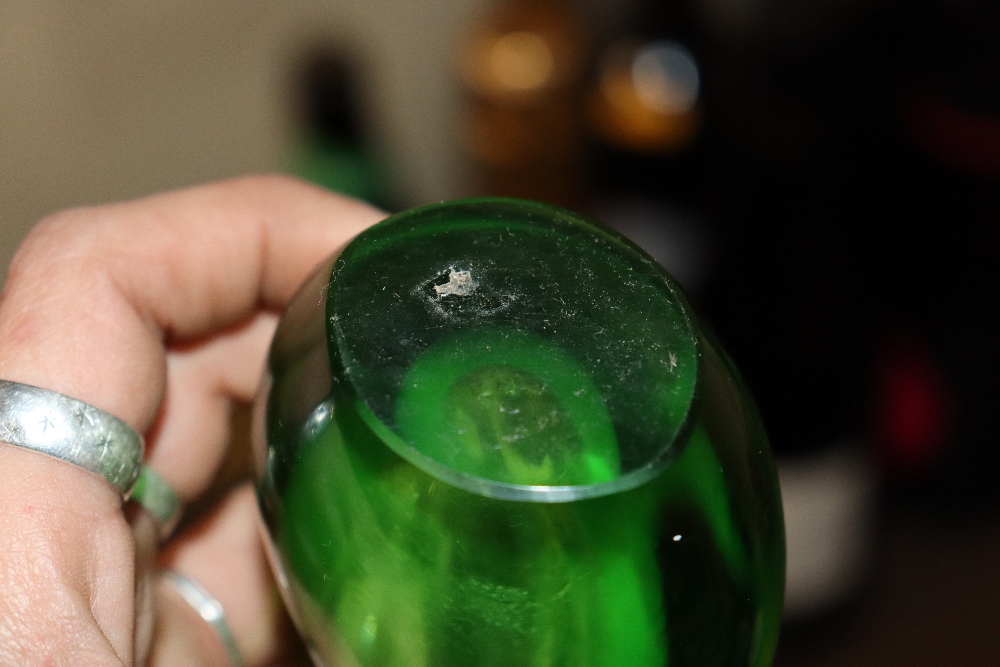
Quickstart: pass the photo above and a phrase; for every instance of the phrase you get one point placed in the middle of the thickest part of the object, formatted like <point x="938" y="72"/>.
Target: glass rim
<point x="659" y="459"/>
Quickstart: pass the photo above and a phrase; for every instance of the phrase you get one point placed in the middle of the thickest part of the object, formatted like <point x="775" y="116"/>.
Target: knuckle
<point x="56" y="238"/>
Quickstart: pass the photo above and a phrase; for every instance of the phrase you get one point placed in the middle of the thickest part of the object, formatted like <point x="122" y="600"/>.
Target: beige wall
<point x="108" y="99"/>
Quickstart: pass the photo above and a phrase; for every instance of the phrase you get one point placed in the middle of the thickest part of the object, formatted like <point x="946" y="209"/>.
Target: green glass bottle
<point x="494" y="433"/>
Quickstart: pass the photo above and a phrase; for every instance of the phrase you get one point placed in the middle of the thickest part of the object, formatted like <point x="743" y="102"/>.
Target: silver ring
<point x="77" y="432"/>
<point x="158" y="499"/>
<point x="208" y="608"/>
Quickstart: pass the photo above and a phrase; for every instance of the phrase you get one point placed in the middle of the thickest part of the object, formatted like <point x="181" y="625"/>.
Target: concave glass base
<point x="501" y="437"/>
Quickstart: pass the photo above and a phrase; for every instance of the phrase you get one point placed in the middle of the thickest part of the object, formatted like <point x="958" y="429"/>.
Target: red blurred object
<point x="957" y="137"/>
<point x="914" y="411"/>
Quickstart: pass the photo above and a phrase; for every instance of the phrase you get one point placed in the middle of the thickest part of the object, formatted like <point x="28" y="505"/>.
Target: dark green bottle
<point x="333" y="149"/>
<point x="494" y="433"/>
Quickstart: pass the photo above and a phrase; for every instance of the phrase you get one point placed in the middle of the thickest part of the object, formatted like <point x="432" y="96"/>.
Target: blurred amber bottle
<point x="644" y="103"/>
<point x="646" y="96"/>
<point x="644" y="109"/>
<point x="522" y="66"/>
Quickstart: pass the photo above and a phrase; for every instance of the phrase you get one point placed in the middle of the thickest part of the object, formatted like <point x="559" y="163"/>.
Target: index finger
<point x="93" y="294"/>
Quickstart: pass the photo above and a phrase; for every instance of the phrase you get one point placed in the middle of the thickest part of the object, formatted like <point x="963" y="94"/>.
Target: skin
<point x="158" y="311"/>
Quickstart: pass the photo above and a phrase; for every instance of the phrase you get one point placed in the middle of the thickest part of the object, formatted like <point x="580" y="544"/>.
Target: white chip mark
<point x="460" y="283"/>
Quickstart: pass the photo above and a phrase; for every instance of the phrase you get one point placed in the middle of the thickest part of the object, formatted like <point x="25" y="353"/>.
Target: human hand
<point x="158" y="311"/>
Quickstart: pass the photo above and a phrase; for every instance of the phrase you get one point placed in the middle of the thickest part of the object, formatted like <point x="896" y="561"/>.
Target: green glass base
<point x="501" y="437"/>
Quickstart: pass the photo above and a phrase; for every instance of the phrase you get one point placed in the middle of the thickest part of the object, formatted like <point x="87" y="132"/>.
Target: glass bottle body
<point x="590" y="538"/>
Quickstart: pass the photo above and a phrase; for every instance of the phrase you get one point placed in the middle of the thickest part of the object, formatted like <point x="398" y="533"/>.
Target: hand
<point x="158" y="311"/>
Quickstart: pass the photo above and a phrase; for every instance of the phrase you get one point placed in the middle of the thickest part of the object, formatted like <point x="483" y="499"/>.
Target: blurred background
<point x="822" y="176"/>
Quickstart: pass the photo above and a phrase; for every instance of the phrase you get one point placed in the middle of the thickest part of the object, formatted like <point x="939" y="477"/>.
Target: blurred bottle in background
<point x="522" y="67"/>
<point x="333" y="149"/>
<point x="647" y="160"/>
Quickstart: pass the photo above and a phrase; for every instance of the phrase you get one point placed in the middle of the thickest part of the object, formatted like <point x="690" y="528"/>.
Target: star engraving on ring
<point x="46" y="422"/>
<point x="12" y="428"/>
<point x="84" y="415"/>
